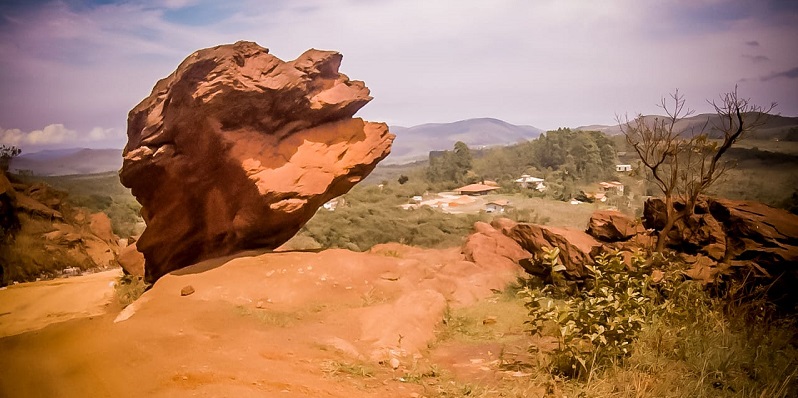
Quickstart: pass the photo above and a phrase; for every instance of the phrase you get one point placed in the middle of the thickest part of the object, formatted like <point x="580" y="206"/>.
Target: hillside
<point x="775" y="127"/>
<point x="68" y="161"/>
<point x="414" y="143"/>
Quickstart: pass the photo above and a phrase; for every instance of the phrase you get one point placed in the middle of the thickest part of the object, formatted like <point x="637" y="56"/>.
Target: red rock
<point x="100" y="226"/>
<point x="505" y="225"/>
<point x="489" y="248"/>
<point x="612" y="226"/>
<point x="575" y="246"/>
<point x="758" y="230"/>
<point x="131" y="260"/>
<point x="237" y="149"/>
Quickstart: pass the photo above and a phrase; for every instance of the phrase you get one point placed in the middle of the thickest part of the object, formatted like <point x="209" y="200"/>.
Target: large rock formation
<point x="759" y="242"/>
<point x="46" y="237"/>
<point x="237" y="149"/>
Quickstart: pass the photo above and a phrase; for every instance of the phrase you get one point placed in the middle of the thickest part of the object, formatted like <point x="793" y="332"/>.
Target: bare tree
<point x="685" y="163"/>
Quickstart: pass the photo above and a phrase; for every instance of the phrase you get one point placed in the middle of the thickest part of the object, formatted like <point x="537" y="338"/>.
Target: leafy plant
<point x="598" y="325"/>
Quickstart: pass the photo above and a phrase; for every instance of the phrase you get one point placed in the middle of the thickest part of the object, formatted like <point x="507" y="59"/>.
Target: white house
<point x="612" y="186"/>
<point x="497" y="206"/>
<point x="623" y="167"/>
<point x="527" y="181"/>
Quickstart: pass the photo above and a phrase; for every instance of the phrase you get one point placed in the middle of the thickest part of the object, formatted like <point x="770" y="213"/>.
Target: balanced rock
<point x="236" y="149"/>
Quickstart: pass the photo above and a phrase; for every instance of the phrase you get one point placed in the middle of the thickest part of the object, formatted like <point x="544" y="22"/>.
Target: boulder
<point x="576" y="247"/>
<point x="759" y="233"/>
<point x="489" y="248"/>
<point x="700" y="233"/>
<point x="612" y="226"/>
<point x="236" y="149"/>
<point x="100" y="226"/>
<point x="131" y="260"/>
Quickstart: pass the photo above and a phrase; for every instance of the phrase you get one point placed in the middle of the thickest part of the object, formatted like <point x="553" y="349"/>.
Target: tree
<point x="450" y="166"/>
<point x="6" y="153"/>
<point x="683" y="164"/>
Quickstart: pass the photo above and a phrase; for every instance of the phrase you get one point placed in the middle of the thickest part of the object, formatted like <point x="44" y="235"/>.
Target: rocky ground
<point x="297" y="324"/>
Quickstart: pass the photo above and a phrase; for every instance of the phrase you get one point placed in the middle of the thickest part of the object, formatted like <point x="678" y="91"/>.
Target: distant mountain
<point x="68" y="161"/>
<point x="775" y="127"/>
<point x="415" y="143"/>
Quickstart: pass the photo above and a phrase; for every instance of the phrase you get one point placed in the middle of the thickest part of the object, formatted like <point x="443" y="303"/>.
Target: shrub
<point x="598" y="325"/>
<point x="129" y="288"/>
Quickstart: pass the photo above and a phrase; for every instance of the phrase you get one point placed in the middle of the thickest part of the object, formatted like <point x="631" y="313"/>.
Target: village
<point x="487" y="196"/>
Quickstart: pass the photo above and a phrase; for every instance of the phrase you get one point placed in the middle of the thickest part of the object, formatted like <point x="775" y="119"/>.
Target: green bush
<point x="598" y="325"/>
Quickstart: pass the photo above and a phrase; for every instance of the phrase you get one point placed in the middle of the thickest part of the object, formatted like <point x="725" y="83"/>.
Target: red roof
<point x="476" y="188"/>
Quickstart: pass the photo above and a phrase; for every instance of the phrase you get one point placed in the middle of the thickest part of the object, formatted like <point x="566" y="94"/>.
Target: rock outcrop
<point x="576" y="247"/>
<point x="733" y="230"/>
<point x="236" y="149"/>
<point x="487" y="245"/>
<point x="49" y="237"/>
<point x="751" y="239"/>
<point x="612" y="226"/>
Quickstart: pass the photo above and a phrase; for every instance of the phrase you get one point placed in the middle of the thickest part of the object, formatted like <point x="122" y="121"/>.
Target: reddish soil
<point x="258" y="324"/>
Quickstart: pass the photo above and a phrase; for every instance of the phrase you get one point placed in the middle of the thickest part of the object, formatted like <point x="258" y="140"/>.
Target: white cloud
<point x="58" y="135"/>
<point x="546" y="63"/>
<point x="50" y="134"/>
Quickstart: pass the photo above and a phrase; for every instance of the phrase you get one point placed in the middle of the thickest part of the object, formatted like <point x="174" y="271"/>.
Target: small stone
<point x="259" y="304"/>
<point x="489" y="320"/>
<point x="394" y="363"/>
<point x="187" y="290"/>
<point x="390" y="276"/>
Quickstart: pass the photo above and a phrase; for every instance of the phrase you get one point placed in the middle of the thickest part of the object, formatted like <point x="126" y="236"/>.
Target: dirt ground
<point x="295" y="324"/>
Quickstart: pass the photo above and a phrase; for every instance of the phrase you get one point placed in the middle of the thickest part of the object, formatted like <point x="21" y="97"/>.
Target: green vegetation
<point x="371" y="216"/>
<point x="129" y="288"/>
<point x="633" y="321"/>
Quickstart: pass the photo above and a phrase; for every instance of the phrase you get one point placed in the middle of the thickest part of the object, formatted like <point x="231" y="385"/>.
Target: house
<point x="331" y="205"/>
<point x="612" y="186"/>
<point x="529" y="182"/>
<point x="475" y="189"/>
<point x="497" y="206"/>
<point x="623" y="167"/>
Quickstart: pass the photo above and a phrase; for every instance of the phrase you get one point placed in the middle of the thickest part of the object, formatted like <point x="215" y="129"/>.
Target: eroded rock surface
<point x="576" y="247"/>
<point x="612" y="226"/>
<point x="236" y="149"/>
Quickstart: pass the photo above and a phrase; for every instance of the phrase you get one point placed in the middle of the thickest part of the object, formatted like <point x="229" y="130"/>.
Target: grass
<point x="706" y="346"/>
<point x="267" y="317"/>
<point x="128" y="289"/>
<point x="496" y="319"/>
<point x="347" y="369"/>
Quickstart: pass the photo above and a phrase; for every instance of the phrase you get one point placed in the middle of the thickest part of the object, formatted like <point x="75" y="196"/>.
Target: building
<point x="529" y="182"/>
<point x="475" y="189"/>
<point x="612" y="186"/>
<point x="623" y="167"/>
<point x="497" y="206"/>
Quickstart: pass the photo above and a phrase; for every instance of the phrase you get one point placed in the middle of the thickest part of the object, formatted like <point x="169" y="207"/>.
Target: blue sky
<point x="70" y="70"/>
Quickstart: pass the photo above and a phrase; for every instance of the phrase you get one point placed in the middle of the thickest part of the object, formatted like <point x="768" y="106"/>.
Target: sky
<point x="70" y="70"/>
